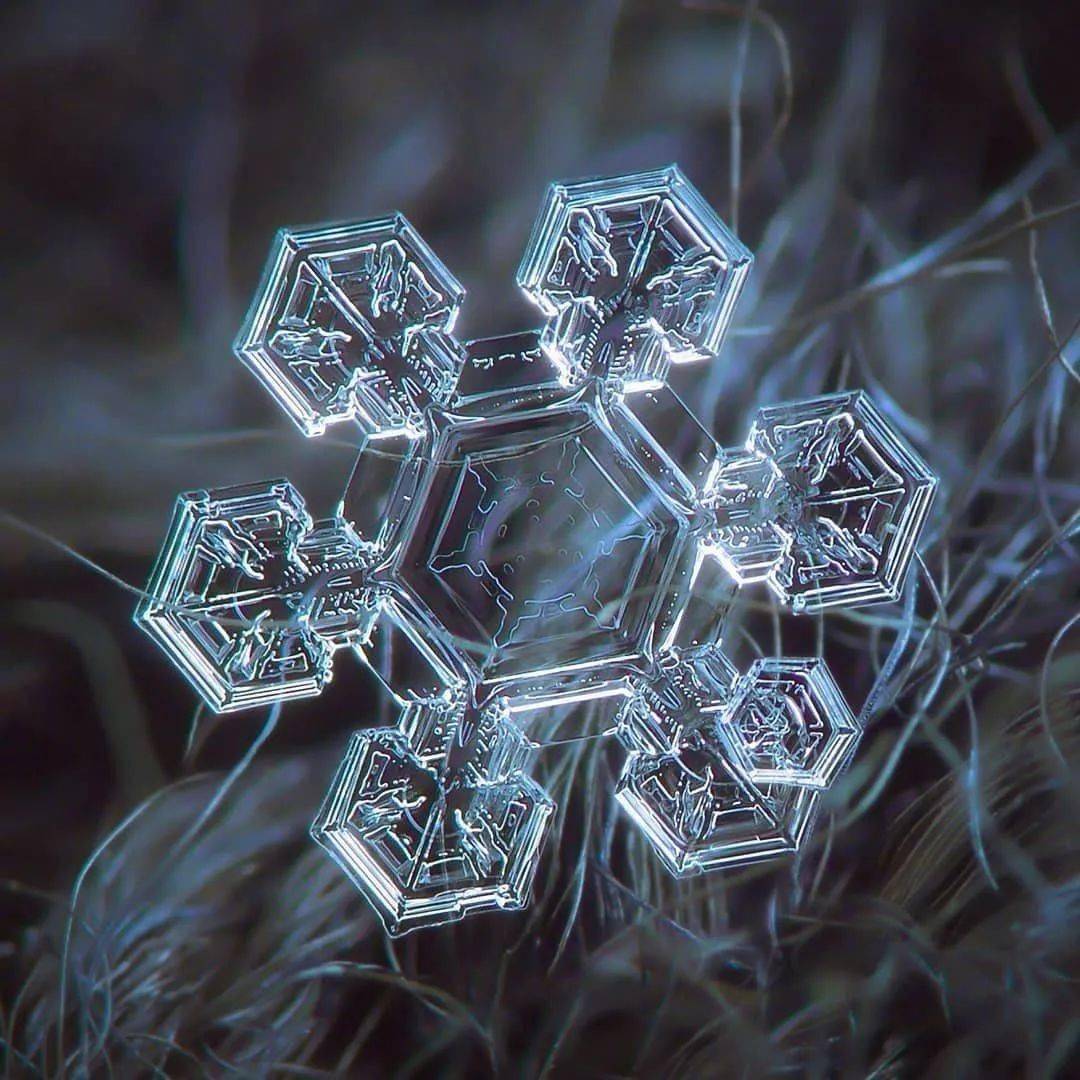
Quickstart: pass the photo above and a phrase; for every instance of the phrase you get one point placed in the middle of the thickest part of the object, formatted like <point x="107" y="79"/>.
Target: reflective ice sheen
<point x="691" y="781"/>
<point x="700" y="812"/>
<point x="436" y="818"/>
<point x="250" y="597"/>
<point x="540" y="547"/>
<point x="634" y="273"/>
<point x="351" y="322"/>
<point x="518" y="534"/>
<point x="788" y="722"/>
<point x="826" y="503"/>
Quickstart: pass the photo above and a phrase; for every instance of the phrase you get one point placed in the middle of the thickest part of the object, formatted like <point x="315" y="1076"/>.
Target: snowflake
<point x="517" y="536"/>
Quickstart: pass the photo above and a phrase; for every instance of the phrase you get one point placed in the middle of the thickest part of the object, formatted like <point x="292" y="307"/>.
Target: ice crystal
<point x="535" y="543"/>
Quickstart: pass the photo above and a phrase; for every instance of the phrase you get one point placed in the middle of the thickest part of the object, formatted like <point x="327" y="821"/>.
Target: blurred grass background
<point x="906" y="174"/>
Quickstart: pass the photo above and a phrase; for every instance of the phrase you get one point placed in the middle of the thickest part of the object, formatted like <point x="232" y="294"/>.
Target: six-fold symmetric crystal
<point x="518" y="535"/>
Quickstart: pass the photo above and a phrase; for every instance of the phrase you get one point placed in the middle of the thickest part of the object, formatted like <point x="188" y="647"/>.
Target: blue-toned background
<point x="906" y="173"/>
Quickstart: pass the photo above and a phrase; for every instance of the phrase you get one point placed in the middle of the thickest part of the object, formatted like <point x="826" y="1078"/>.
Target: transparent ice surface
<point x="250" y="597"/>
<point x="745" y="492"/>
<point x="353" y="322"/>
<point x="696" y="780"/>
<point x="535" y="520"/>
<point x="700" y="811"/>
<point x="633" y="273"/>
<point x="826" y="503"/>
<point x="683" y="688"/>
<point x="540" y="546"/>
<point x="788" y="722"/>
<point x="436" y="818"/>
<point x="502" y="372"/>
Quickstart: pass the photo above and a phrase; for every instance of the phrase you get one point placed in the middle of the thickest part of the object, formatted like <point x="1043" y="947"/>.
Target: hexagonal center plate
<point x="538" y="545"/>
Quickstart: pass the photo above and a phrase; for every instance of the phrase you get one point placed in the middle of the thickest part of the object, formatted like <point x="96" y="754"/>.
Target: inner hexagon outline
<point x="571" y="462"/>
<point x="502" y="490"/>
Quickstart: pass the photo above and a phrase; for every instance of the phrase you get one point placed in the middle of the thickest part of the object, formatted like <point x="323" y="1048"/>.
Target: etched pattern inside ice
<point x="520" y="533"/>
<point x="436" y="818"/>
<point x="700" y="812"/>
<point x="826" y="503"/>
<point x="687" y="784"/>
<point x="789" y="723"/>
<point x="634" y="273"/>
<point x="538" y="545"/>
<point x="250" y="597"/>
<point x="353" y="322"/>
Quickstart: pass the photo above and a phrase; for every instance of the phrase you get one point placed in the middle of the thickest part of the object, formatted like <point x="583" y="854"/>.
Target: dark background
<point x="147" y="153"/>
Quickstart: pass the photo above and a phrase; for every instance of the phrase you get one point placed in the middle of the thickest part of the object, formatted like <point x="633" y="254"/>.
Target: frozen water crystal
<point x="700" y="812"/>
<point x="633" y="273"/>
<point x="699" y="803"/>
<point x="353" y="322"/>
<point x="250" y="597"/>
<point x="436" y="818"/>
<point x="535" y="520"/>
<point x="540" y="546"/>
<point x="789" y="723"/>
<point x="826" y="503"/>
<point x="682" y="685"/>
